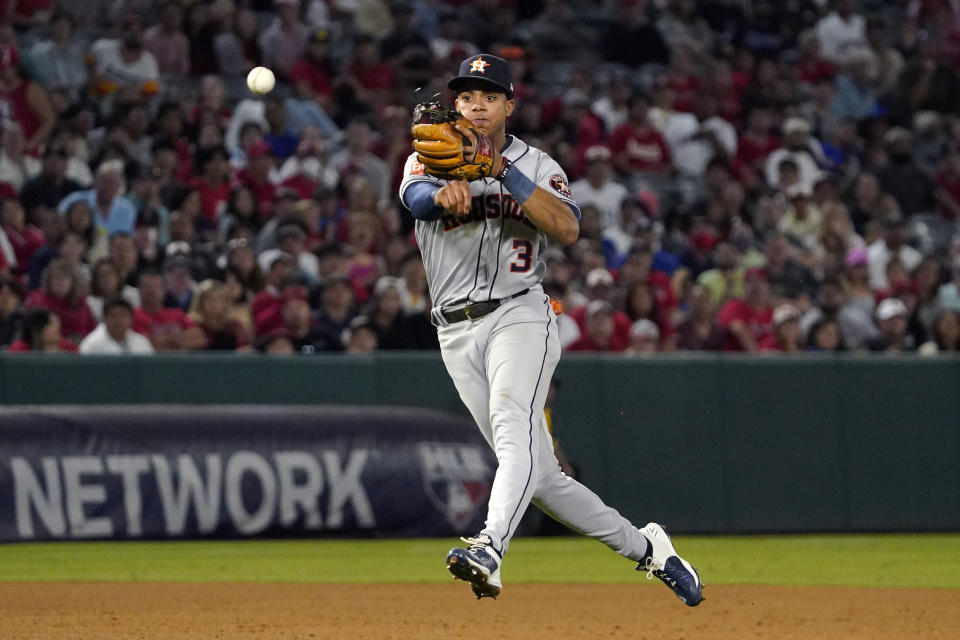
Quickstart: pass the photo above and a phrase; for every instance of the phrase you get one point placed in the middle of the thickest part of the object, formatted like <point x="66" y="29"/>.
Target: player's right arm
<point x="454" y="197"/>
<point x="427" y="198"/>
<point x="420" y="199"/>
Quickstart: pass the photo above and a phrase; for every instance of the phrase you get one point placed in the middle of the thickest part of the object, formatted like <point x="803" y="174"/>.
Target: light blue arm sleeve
<point x="68" y="200"/>
<point x="418" y="198"/>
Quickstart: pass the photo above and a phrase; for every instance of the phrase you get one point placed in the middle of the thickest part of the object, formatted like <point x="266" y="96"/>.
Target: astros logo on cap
<point x="479" y="65"/>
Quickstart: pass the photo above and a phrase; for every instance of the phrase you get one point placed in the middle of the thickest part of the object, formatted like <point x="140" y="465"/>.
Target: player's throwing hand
<point x="454" y="197"/>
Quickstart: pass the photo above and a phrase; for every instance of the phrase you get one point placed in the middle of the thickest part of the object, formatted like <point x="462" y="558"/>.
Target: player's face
<point x="487" y="110"/>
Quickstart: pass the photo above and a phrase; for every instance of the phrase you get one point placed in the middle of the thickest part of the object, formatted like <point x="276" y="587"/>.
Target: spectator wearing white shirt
<point x="113" y="336"/>
<point x="124" y="65"/>
<point x="16" y="165"/>
<point x="841" y="32"/>
<point x="802" y="220"/>
<point x="612" y="108"/>
<point x="893" y="244"/>
<point x="698" y="138"/>
<point x="356" y="158"/>
<point x="799" y="147"/>
<point x="597" y="188"/>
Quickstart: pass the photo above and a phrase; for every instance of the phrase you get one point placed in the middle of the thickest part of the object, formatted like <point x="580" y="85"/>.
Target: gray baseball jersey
<point x="494" y="251"/>
<point x="501" y="364"/>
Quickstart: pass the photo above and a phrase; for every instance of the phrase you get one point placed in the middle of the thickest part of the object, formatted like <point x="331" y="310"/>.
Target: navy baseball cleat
<point x="478" y="564"/>
<point x="664" y="563"/>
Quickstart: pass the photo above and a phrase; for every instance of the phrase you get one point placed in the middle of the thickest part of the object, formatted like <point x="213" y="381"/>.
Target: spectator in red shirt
<point x="636" y="145"/>
<point x="369" y="76"/>
<point x="812" y="66"/>
<point x="363" y="231"/>
<point x="600" y="286"/>
<point x="24" y="101"/>
<point x="168" y="329"/>
<point x="748" y="321"/>
<point x="41" y="332"/>
<point x="257" y="176"/>
<point x="310" y="75"/>
<point x="267" y="304"/>
<point x="24" y="238"/>
<point x="309" y="169"/>
<point x="213" y="184"/>
<point x="599" y="333"/>
<point x="213" y="105"/>
<point x="642" y="303"/>
<point x="756" y="142"/>
<point x="312" y="103"/>
<point x="62" y="294"/>
<point x="577" y="125"/>
<point x="681" y="77"/>
<point x="638" y="267"/>
<point x="724" y="85"/>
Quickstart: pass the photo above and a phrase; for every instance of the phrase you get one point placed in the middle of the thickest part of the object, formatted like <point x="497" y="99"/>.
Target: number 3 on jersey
<point x="524" y="259"/>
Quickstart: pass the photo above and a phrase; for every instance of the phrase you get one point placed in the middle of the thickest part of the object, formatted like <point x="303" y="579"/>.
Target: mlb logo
<point x="456" y="479"/>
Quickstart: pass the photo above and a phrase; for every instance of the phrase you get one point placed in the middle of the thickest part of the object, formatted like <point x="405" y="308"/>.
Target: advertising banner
<point x="153" y="472"/>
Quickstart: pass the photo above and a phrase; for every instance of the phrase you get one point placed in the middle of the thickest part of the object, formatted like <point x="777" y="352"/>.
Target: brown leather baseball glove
<point x="439" y="145"/>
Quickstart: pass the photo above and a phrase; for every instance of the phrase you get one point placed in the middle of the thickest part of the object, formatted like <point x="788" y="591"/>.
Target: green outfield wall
<point x="705" y="443"/>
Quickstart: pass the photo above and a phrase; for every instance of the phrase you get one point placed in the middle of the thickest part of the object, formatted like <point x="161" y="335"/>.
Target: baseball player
<point x="485" y="205"/>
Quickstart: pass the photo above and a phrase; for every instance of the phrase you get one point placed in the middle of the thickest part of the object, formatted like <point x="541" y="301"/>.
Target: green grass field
<point x="915" y="560"/>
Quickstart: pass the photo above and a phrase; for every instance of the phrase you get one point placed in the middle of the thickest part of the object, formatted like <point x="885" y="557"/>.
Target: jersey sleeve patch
<point x="417" y="168"/>
<point x="560" y="185"/>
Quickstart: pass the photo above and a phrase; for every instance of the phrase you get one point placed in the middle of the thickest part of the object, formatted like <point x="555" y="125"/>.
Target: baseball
<point x="260" y="80"/>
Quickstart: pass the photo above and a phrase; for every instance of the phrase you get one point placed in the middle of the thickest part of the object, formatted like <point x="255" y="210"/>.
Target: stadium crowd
<point x="754" y="176"/>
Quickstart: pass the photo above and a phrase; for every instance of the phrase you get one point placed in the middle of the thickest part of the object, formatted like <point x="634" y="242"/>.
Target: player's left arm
<point x="551" y="214"/>
<point x="557" y="218"/>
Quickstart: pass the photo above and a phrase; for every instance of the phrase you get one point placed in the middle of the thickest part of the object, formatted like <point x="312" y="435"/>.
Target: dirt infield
<point x="168" y="611"/>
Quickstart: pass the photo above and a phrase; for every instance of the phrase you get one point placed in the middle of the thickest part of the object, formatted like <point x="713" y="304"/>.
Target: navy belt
<point x="476" y="310"/>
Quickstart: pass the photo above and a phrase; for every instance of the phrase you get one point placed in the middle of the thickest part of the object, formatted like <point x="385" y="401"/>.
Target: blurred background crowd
<point x="754" y="176"/>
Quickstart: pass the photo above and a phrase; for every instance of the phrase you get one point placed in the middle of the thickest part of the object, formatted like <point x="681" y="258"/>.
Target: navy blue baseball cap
<point x="488" y="68"/>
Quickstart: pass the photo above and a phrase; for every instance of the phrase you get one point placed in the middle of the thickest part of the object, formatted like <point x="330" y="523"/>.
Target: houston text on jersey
<point x="488" y="206"/>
